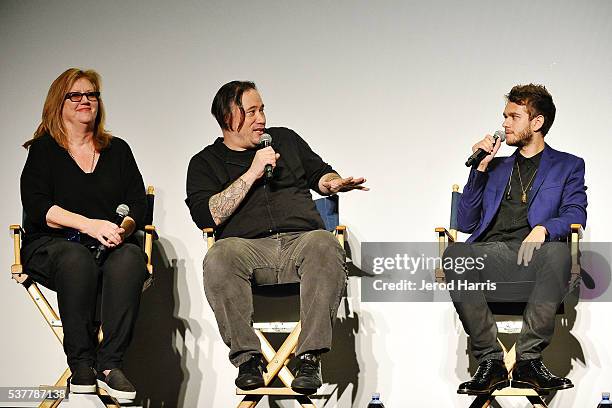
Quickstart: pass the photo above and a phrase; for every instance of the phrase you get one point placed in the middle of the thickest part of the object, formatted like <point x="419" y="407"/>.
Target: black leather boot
<point x="491" y="375"/>
<point x="534" y="374"/>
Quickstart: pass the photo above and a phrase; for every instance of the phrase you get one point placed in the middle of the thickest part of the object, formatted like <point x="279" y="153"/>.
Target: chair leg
<point x="537" y="402"/>
<point x="62" y="381"/>
<point x="250" y="401"/>
<point x="305" y="402"/>
<point x="277" y="360"/>
<point x="274" y="357"/>
<point x="108" y="401"/>
<point x="50" y="403"/>
<point x="482" y="401"/>
<point x="510" y="358"/>
<point x="276" y="364"/>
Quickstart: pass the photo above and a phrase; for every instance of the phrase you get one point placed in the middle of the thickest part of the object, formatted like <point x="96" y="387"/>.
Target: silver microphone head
<point x="123" y="210"/>
<point x="500" y="134"/>
<point x="265" y="139"/>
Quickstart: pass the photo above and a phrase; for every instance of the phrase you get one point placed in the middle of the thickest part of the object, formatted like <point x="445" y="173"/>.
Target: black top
<point x="510" y="223"/>
<point x="283" y="204"/>
<point x="51" y="177"/>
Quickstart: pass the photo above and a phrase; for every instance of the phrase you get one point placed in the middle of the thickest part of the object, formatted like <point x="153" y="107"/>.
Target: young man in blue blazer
<point x="517" y="209"/>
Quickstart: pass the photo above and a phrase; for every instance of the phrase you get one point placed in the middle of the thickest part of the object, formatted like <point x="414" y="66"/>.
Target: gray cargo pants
<point x="313" y="258"/>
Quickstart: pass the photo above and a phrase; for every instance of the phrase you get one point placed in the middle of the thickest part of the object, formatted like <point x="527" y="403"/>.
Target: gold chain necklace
<point x="524" y="190"/>
<point x="93" y="159"/>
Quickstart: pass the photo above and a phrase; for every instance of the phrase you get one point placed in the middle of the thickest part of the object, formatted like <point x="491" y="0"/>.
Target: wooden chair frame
<point x="277" y="359"/>
<point x="449" y="236"/>
<point x="52" y="317"/>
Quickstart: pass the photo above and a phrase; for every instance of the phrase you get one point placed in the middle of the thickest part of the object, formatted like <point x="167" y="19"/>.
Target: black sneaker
<point x="82" y="380"/>
<point x="116" y="384"/>
<point x="308" y="376"/>
<point x="250" y="373"/>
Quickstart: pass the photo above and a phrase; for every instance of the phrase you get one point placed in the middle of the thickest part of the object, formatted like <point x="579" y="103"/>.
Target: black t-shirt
<point x="510" y="223"/>
<point x="51" y="177"/>
<point x="284" y="204"/>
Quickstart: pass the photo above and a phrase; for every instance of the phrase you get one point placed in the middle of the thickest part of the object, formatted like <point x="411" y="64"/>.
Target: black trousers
<point x="542" y="285"/>
<point x="69" y="269"/>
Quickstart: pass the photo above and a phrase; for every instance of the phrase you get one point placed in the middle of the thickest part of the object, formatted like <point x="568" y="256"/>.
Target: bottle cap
<point x="376" y="395"/>
<point x="605" y="395"/>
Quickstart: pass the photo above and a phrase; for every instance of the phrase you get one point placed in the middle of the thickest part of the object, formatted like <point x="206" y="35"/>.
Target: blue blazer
<point x="557" y="198"/>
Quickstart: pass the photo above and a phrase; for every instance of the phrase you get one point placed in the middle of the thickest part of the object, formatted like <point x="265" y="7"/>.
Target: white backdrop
<point x="394" y="91"/>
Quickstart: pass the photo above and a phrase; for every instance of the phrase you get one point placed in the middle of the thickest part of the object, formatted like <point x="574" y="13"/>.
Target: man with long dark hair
<point x="268" y="231"/>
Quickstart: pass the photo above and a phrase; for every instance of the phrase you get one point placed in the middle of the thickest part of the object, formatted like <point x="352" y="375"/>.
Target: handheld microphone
<point x="266" y="140"/>
<point x="478" y="155"/>
<point x="120" y="213"/>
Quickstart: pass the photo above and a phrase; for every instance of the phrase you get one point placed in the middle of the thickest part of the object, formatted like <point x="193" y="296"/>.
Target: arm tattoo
<point x="223" y="204"/>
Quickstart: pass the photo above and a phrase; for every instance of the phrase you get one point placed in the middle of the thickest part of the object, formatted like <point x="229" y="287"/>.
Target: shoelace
<point x="480" y="371"/>
<point x="542" y="370"/>
<point x="309" y="367"/>
<point x="483" y="369"/>
<point x="253" y="363"/>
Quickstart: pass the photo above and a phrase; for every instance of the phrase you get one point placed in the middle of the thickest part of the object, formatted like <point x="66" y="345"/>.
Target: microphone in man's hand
<point x="266" y="140"/>
<point x="121" y="212"/>
<point x="478" y="155"/>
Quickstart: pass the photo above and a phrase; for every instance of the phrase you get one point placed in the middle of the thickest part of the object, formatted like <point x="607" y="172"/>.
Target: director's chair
<point x="509" y="316"/>
<point x="272" y="295"/>
<point x="52" y="317"/>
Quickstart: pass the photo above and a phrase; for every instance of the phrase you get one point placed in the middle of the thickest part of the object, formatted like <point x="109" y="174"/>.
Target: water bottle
<point x="376" y="402"/>
<point x="605" y="400"/>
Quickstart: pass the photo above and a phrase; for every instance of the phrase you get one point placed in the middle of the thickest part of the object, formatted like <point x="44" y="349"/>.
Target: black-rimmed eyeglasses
<point x="78" y="96"/>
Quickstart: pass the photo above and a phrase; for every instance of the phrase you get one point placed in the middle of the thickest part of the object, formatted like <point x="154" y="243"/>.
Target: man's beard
<point x="522" y="139"/>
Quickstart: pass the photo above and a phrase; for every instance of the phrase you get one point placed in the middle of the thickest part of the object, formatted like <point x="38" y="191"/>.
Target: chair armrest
<point x="578" y="230"/>
<point x="443" y="232"/>
<point x="444" y="237"/>
<point x="150" y="235"/>
<point x="576" y="235"/>
<point x="16" y="230"/>
<point x="341" y="234"/>
<point x="17" y="267"/>
<point x="209" y="236"/>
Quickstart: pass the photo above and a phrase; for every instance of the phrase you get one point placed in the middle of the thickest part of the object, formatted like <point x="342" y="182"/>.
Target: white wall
<point x="394" y="91"/>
